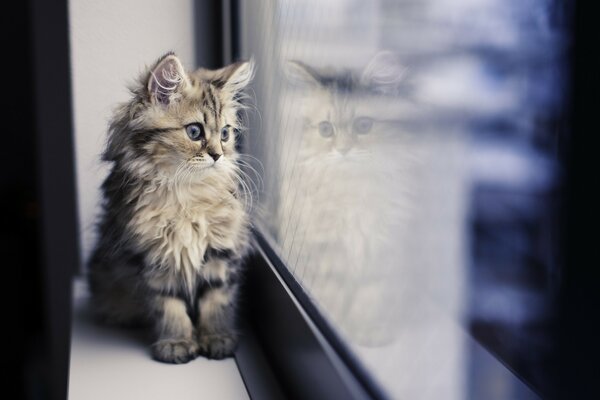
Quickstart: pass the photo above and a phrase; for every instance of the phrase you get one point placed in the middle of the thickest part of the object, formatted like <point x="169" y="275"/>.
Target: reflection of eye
<point x="195" y="131"/>
<point x="325" y="128"/>
<point x="225" y="133"/>
<point x="362" y="125"/>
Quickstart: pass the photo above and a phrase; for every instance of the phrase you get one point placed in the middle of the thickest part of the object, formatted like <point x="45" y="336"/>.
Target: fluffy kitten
<point x="345" y="194"/>
<point x="174" y="227"/>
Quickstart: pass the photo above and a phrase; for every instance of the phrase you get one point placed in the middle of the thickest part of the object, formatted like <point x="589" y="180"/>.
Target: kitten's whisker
<point x="246" y="191"/>
<point x="252" y="187"/>
<point x="242" y="166"/>
<point x="177" y="174"/>
<point x="244" y="155"/>
<point x="248" y="180"/>
<point x="254" y="171"/>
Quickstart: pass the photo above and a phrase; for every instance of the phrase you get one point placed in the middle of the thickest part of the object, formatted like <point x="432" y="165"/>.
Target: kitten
<point x="174" y="227"/>
<point x="346" y="191"/>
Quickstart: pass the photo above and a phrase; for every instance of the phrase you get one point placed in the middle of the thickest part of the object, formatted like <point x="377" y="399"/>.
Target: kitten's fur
<point x="174" y="227"/>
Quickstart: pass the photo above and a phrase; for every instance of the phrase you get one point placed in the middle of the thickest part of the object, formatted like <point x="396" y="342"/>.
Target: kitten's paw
<point x="217" y="346"/>
<point x="175" y="351"/>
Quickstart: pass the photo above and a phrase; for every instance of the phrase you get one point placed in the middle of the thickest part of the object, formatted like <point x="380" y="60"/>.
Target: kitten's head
<point x="179" y="121"/>
<point x="345" y="113"/>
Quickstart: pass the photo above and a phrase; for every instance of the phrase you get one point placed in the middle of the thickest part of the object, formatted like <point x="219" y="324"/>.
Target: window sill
<point x="108" y="363"/>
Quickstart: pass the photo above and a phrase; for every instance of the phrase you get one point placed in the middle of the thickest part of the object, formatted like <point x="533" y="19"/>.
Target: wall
<point x="111" y="42"/>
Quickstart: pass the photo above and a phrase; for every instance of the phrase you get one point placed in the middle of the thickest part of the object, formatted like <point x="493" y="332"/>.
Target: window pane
<point x="407" y="155"/>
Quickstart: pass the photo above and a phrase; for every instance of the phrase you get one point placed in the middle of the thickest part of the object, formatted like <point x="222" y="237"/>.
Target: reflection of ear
<point x="233" y="78"/>
<point x="384" y="73"/>
<point x="166" y="80"/>
<point x="301" y="74"/>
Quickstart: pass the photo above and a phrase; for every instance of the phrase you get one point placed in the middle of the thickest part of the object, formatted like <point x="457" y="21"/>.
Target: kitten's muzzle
<point x="203" y="160"/>
<point x="200" y="160"/>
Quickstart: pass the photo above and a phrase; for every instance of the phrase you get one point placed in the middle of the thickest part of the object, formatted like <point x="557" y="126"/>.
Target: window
<point x="407" y="164"/>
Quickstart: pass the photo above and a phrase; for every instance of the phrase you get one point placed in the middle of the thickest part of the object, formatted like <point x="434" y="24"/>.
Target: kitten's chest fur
<point x="175" y="225"/>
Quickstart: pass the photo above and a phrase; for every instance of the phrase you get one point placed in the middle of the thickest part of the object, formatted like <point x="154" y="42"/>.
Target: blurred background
<point x="420" y="168"/>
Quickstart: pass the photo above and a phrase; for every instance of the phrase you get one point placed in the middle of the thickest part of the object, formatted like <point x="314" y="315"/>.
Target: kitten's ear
<point x="233" y="78"/>
<point x="384" y="73"/>
<point x="166" y="80"/>
<point x="300" y="74"/>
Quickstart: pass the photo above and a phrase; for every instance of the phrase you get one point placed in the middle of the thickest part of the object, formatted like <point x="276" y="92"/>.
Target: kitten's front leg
<point x="217" y="337"/>
<point x="176" y="342"/>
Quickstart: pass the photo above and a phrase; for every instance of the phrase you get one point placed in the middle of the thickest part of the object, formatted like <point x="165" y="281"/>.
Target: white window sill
<point x="108" y="363"/>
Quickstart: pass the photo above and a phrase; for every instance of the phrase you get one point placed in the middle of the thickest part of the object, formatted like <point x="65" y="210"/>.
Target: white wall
<point x="111" y="42"/>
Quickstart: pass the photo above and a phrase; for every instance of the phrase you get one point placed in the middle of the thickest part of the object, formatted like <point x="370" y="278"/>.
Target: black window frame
<point x="40" y="30"/>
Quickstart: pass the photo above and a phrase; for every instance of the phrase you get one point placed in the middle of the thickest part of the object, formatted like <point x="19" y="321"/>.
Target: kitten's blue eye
<point x="362" y="125"/>
<point x="326" y="129"/>
<point x="195" y="131"/>
<point x="225" y="133"/>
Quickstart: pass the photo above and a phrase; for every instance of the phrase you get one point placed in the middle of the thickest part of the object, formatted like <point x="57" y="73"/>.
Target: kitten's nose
<point x="215" y="156"/>
<point x="343" y="144"/>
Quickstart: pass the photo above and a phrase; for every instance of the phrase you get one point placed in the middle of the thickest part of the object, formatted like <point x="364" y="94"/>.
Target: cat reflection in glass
<point x="174" y="227"/>
<point x="348" y="171"/>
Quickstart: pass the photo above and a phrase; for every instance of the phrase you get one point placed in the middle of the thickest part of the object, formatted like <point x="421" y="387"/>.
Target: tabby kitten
<point x="174" y="228"/>
<point x="346" y="194"/>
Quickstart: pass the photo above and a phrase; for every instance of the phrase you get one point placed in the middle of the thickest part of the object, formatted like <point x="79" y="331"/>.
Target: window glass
<point x="406" y="157"/>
